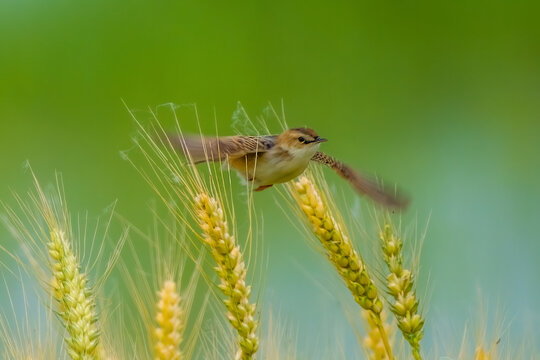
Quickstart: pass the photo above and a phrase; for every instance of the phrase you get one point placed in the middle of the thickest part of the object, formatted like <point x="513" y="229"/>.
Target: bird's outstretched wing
<point x="361" y="183"/>
<point x="202" y="149"/>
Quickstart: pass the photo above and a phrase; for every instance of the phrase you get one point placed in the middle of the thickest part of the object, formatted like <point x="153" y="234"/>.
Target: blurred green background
<point x="441" y="97"/>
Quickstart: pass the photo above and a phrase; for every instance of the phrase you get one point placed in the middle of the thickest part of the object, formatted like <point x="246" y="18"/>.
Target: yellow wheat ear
<point x="231" y="271"/>
<point x="170" y="323"/>
<point x="163" y="295"/>
<point x="340" y="251"/>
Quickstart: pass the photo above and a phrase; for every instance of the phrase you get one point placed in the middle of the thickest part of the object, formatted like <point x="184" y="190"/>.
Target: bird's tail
<point x="363" y="184"/>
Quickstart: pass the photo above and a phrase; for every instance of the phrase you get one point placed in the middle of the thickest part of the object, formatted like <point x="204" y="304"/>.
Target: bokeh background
<point x="441" y="97"/>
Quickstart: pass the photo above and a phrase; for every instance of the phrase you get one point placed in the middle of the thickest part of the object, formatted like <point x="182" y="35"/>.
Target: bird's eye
<point x="301" y="139"/>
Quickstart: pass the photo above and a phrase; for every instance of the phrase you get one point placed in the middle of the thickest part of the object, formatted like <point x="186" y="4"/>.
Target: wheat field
<point x="196" y="292"/>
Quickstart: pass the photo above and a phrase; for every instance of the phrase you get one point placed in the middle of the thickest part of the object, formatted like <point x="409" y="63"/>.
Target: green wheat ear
<point x="44" y="231"/>
<point x="76" y="304"/>
<point x="400" y="283"/>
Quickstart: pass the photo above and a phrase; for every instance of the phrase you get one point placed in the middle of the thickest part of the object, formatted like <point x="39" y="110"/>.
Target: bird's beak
<point x="320" y="139"/>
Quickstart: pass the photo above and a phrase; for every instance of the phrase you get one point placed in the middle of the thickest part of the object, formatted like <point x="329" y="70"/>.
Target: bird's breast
<point x="272" y="167"/>
<point x="279" y="166"/>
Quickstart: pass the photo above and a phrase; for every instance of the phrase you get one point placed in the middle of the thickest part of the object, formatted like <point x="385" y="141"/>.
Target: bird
<point x="266" y="160"/>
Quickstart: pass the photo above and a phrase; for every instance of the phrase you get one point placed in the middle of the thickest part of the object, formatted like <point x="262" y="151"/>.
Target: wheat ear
<point x="231" y="271"/>
<point x="400" y="284"/>
<point x="75" y="300"/>
<point x="341" y="253"/>
<point x="170" y="323"/>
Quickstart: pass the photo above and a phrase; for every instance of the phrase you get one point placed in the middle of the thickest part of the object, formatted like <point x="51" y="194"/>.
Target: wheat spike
<point x="400" y="283"/>
<point x="340" y="251"/>
<point x="231" y="271"/>
<point x="170" y="323"/>
<point x="76" y="305"/>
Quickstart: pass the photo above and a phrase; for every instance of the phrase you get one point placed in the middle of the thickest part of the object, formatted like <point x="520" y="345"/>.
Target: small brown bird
<point x="272" y="159"/>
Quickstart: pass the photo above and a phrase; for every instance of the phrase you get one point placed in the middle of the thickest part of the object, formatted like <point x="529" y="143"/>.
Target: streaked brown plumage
<point x="271" y="159"/>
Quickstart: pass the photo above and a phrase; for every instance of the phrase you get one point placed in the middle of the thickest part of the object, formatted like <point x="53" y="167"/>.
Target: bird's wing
<point x="201" y="149"/>
<point x="361" y="183"/>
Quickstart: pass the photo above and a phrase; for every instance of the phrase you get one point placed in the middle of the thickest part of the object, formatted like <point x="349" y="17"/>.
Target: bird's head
<point x="300" y="140"/>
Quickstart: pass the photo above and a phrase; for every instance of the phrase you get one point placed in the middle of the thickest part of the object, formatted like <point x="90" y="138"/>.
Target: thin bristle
<point x="27" y="331"/>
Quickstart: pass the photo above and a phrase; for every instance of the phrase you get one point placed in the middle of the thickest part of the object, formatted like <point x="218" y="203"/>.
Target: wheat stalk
<point x="400" y="283"/>
<point x="340" y="251"/>
<point x="231" y="271"/>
